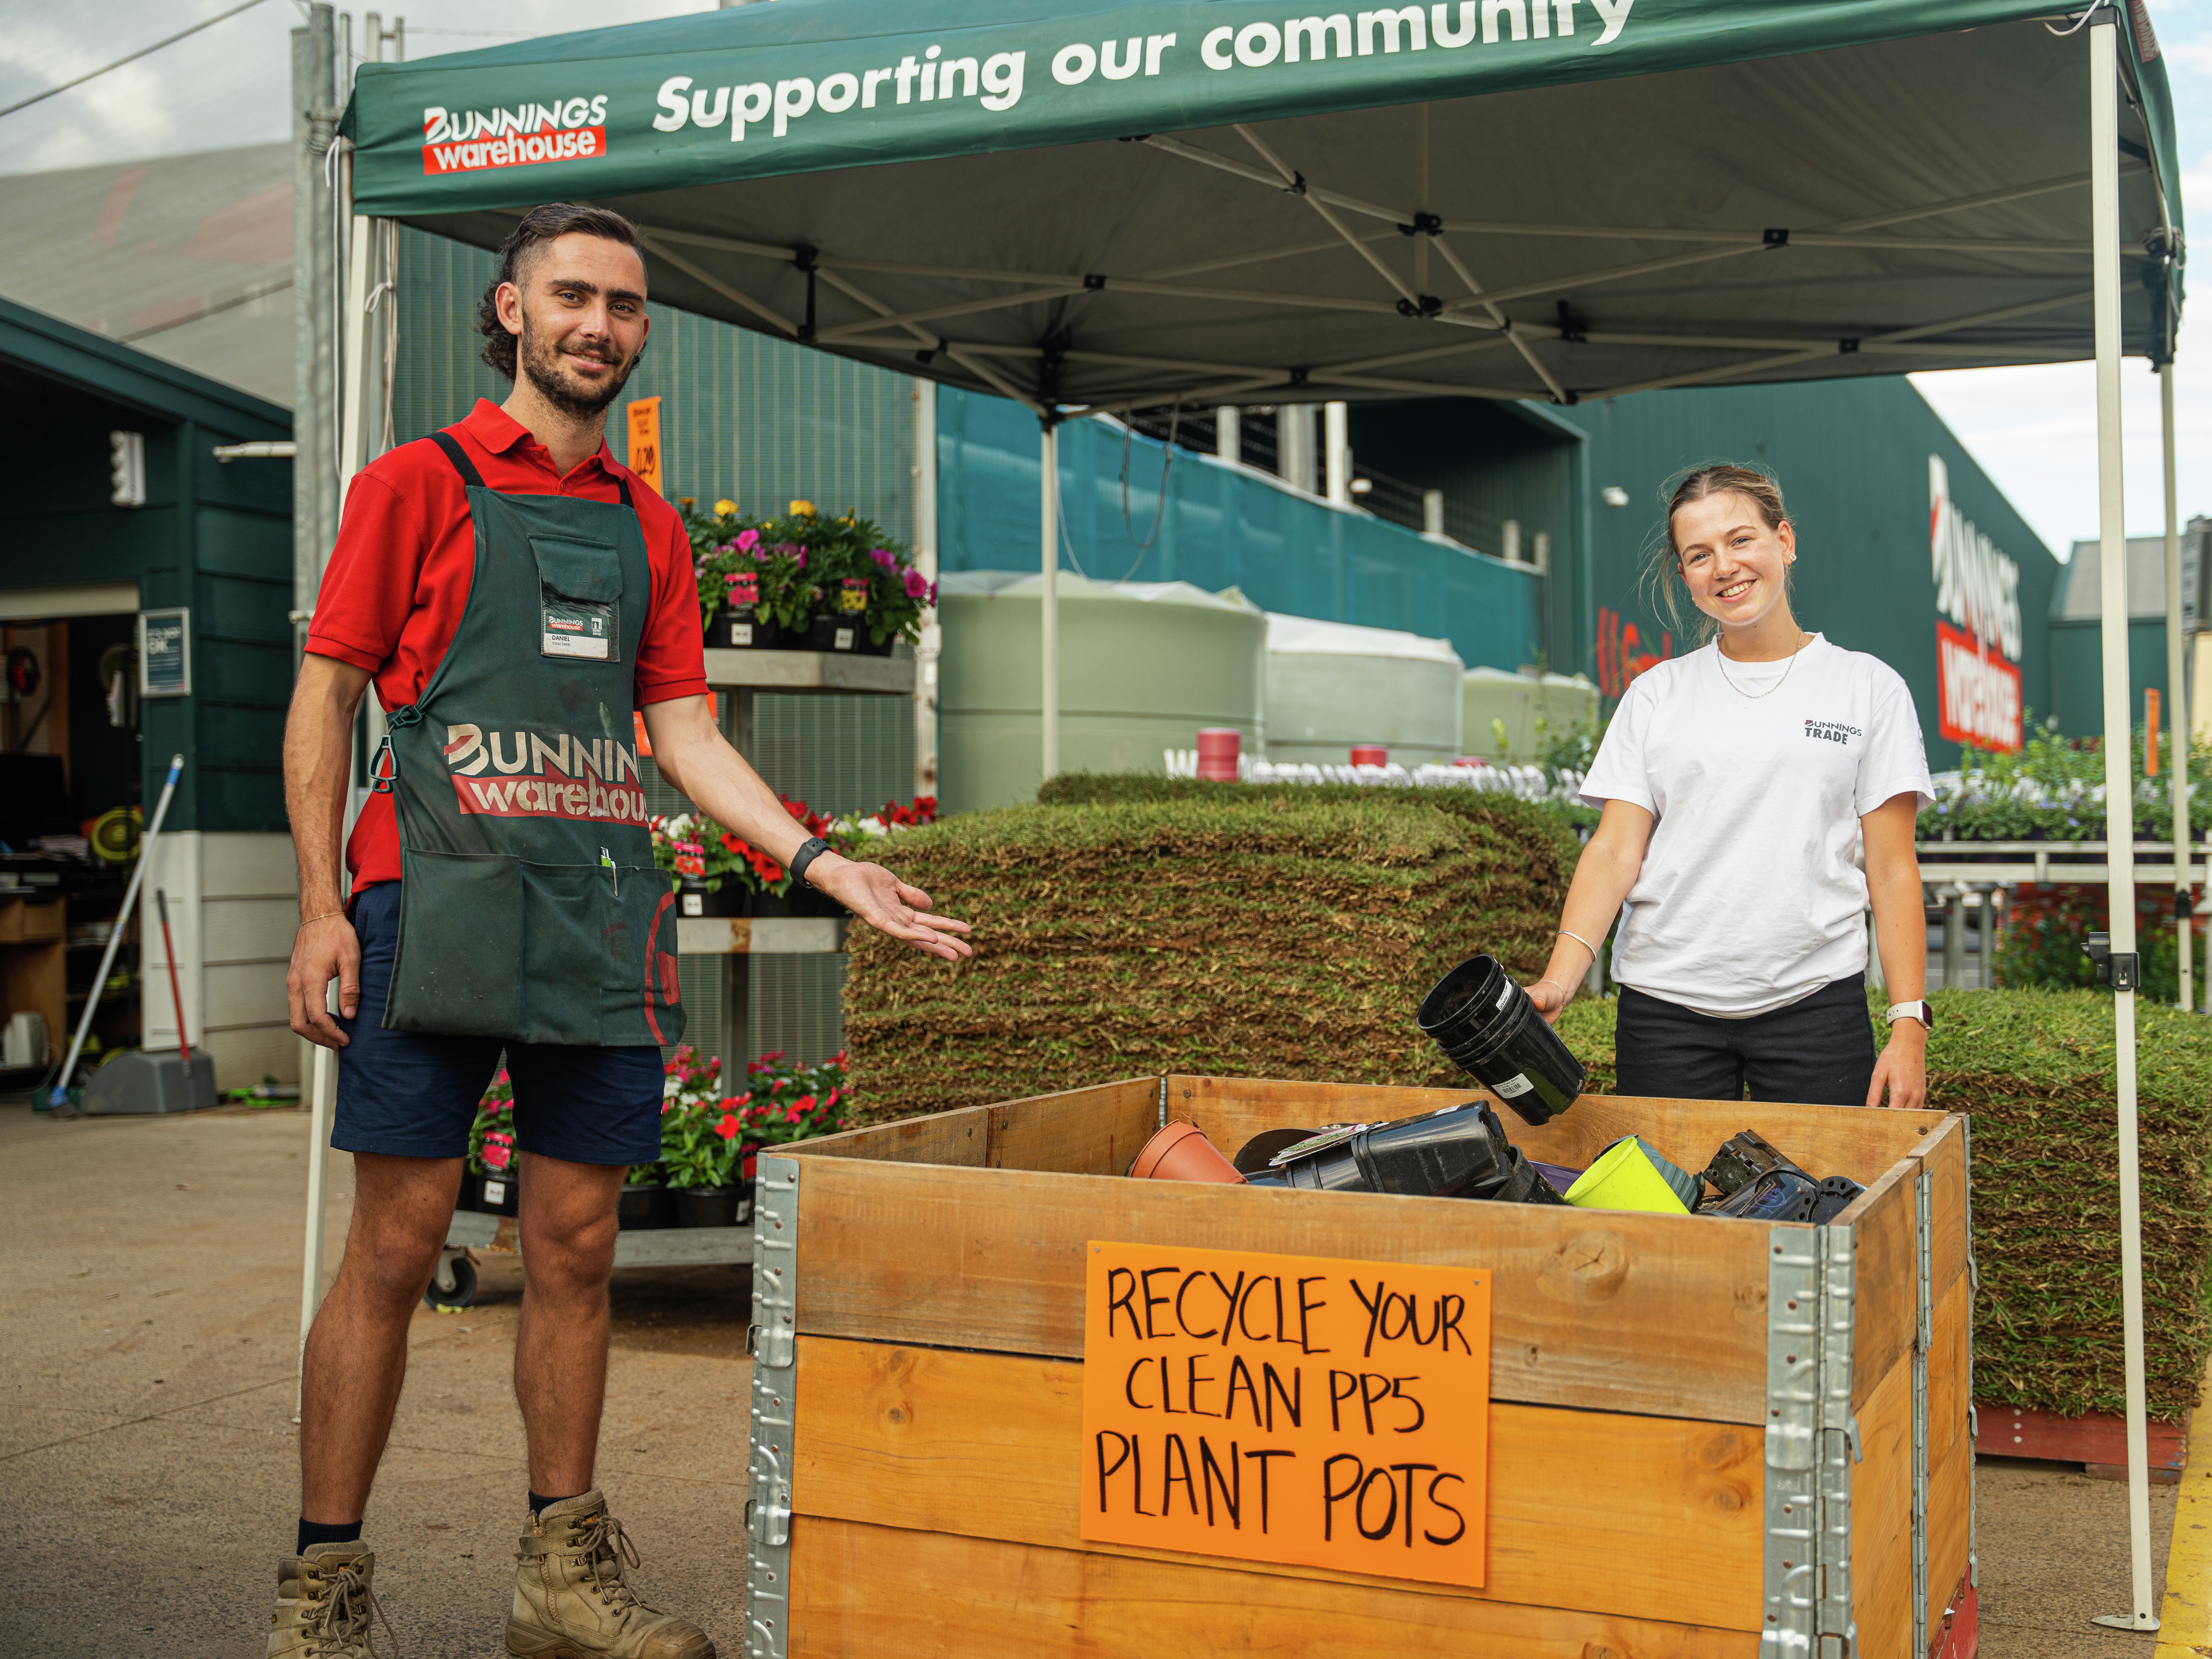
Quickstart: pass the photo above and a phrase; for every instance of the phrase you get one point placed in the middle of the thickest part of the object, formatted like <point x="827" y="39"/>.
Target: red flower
<point x="495" y="1155"/>
<point x="727" y="1128"/>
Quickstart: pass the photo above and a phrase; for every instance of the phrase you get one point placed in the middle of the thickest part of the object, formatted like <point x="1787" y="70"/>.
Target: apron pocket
<point x="642" y="1002"/>
<point x="568" y="945"/>
<point x="458" y="966"/>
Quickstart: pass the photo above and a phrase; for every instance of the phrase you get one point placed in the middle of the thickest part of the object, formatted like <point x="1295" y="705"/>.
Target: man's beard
<point x="541" y="362"/>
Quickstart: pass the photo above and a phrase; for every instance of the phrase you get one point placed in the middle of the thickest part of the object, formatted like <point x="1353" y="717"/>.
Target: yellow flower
<point x="725" y="509"/>
<point x="686" y="500"/>
<point x="802" y="509"/>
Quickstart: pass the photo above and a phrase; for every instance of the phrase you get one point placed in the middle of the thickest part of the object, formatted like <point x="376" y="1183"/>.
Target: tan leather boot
<point x="325" y="1604"/>
<point x="573" y="1601"/>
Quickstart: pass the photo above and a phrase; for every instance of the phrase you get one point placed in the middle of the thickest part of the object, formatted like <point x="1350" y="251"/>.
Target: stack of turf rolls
<point x="1132" y="926"/>
<point x="2034" y="1070"/>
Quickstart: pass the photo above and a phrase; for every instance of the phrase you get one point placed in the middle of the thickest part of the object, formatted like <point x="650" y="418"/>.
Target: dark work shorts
<point x="1816" y="1052"/>
<point x="409" y="1095"/>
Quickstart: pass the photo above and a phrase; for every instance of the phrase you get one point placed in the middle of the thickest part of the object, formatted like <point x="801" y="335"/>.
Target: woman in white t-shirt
<point x="1737" y="785"/>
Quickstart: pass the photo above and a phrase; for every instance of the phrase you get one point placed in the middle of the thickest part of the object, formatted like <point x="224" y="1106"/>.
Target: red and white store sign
<point x="1977" y="694"/>
<point x="470" y="141"/>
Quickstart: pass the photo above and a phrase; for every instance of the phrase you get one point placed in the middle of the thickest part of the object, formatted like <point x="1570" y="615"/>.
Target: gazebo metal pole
<point x="1049" y="599"/>
<point x="2177" y="690"/>
<point x="2119" y="795"/>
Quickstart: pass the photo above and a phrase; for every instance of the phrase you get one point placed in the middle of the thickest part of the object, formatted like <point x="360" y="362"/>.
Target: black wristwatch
<point x="812" y="848"/>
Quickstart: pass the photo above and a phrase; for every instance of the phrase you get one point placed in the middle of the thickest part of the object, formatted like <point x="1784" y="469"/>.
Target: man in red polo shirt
<point x="507" y="582"/>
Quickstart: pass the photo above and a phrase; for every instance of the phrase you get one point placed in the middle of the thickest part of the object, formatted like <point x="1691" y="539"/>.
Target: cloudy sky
<point x="2033" y="429"/>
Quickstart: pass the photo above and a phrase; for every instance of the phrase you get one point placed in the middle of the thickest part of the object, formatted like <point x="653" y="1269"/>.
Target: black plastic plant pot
<point x="742" y="629"/>
<point x="706" y="1206"/>
<point x="797" y="900"/>
<point x="497" y="1195"/>
<point x="645" y="1204"/>
<point x="692" y="898"/>
<point x="1459" y="1152"/>
<point x="1488" y="1027"/>
<point x="846" y="632"/>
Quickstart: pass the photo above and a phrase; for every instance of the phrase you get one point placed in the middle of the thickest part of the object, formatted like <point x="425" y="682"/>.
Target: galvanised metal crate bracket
<point x="1163" y="1120"/>
<point x="1795" y="1328"/>
<point x="1923" y="1338"/>
<point x="1840" y="1439"/>
<point x="774" y="1342"/>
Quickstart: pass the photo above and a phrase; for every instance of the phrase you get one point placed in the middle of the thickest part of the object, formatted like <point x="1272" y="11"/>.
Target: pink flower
<point x="747" y="540"/>
<point x="916" y="585"/>
<point x="496" y="1156"/>
<point x="885" y="557"/>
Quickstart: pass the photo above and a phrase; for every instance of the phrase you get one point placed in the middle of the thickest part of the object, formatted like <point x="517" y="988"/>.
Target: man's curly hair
<point x="539" y="227"/>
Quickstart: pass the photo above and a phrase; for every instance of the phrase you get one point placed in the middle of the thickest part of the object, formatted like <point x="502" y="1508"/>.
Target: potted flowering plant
<point x="700" y="1148"/>
<point x="713" y="871"/>
<point x="687" y="1077"/>
<point x="489" y="1182"/>
<point x="785" y="1102"/>
<point x="803" y="580"/>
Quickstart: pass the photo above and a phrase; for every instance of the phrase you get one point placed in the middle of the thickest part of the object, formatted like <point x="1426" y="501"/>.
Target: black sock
<point x="537" y="1503"/>
<point x="326" y="1532"/>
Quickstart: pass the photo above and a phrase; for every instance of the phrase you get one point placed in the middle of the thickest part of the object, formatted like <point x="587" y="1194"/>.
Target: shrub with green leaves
<point x="2034" y="1071"/>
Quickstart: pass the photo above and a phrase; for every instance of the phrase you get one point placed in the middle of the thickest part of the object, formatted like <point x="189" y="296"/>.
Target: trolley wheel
<point x="455" y="1284"/>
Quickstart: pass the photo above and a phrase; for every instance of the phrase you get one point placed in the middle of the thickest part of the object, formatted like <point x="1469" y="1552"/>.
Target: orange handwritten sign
<point x="1288" y="1408"/>
<point x="645" y="442"/>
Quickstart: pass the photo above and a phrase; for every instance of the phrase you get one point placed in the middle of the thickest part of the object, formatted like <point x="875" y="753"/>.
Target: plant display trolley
<point x="736" y="939"/>
<point x="1706" y="1438"/>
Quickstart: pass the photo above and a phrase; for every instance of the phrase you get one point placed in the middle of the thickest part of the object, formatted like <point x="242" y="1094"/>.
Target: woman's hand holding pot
<point x="1550" y="997"/>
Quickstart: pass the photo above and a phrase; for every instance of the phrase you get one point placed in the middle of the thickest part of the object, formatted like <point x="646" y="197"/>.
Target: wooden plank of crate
<point x="1885" y="1277"/>
<point x="992" y="1445"/>
<point x="1084" y="1125"/>
<point x="1659" y="1314"/>
<point x="1881" y="1515"/>
<point x="860" y="1591"/>
<point x="1950" y="1449"/>
<point x="1942" y="1151"/>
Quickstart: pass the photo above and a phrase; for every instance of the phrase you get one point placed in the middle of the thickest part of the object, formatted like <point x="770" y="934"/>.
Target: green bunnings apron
<point x="529" y="906"/>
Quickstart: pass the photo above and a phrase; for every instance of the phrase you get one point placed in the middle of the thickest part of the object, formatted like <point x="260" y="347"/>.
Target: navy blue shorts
<point x="406" y="1094"/>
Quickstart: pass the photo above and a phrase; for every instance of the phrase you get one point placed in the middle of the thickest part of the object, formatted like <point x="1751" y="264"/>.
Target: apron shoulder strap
<point x="474" y="479"/>
<point x="459" y="458"/>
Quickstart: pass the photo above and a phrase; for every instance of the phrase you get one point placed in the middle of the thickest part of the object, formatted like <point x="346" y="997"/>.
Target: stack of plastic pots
<point x="1218" y="746"/>
<point x="1488" y="1027"/>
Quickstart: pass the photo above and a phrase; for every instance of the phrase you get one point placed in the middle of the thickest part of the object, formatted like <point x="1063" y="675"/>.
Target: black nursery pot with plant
<point x="1482" y="1019"/>
<point x="496" y="1194"/>
<point x="745" y="630"/>
<point x="645" y="1204"/>
<point x="847" y="634"/>
<point x="692" y="898"/>
<point x="798" y="900"/>
<point x="706" y="1206"/>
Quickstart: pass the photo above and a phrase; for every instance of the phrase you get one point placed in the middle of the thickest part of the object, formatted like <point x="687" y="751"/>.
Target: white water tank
<point x="1143" y="665"/>
<point x="1331" y="685"/>
<point x="1494" y="702"/>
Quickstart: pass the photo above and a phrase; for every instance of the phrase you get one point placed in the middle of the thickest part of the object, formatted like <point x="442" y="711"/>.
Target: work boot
<point x="571" y="1600"/>
<point x="325" y="1604"/>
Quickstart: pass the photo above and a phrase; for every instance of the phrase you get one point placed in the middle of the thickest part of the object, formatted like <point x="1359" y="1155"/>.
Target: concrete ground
<point x="148" y="1317"/>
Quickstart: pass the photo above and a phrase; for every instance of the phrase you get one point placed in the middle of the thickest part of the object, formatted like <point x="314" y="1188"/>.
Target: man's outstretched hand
<point x="890" y="905"/>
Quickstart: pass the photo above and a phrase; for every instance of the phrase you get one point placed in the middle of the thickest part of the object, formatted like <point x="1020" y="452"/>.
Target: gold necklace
<point x="1721" y="658"/>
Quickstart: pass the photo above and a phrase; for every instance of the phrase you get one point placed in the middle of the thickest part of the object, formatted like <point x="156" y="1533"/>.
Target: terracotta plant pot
<point x="1181" y="1152"/>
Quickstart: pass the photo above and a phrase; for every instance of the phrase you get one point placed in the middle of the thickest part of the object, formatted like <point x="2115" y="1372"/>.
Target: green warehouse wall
<point x="213" y="537"/>
<point x="1852" y="459"/>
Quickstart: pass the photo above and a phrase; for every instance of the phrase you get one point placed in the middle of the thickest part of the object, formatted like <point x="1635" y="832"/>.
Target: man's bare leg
<point x="356" y="1356"/>
<point x="561" y="1347"/>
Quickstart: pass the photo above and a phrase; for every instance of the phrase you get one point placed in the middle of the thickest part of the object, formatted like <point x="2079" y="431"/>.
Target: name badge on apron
<point x="575" y="628"/>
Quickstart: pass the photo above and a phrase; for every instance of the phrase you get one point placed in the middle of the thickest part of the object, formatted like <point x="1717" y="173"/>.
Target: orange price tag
<point x="644" y="415"/>
<point x="1288" y="1408"/>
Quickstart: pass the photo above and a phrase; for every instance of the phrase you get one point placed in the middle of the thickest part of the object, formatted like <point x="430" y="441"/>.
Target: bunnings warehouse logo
<point x="470" y="140"/>
<point x="1977" y="691"/>
<point x="524" y="774"/>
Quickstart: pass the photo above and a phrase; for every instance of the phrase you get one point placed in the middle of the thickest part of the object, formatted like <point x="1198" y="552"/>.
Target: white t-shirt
<point x="1750" y="898"/>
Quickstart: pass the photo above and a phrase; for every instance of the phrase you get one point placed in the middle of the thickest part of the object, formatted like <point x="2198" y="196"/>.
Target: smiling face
<point x="579" y="309"/>
<point x="1734" y="563"/>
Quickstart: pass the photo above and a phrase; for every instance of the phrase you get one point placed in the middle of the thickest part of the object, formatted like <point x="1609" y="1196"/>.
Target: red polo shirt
<point x="399" y="577"/>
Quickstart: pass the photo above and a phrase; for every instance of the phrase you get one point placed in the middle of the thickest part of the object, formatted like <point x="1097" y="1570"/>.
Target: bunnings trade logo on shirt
<point x="526" y="775"/>
<point x="471" y="140"/>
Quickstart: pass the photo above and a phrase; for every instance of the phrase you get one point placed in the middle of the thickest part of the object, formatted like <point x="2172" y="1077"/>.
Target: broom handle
<point x="115" y="933"/>
<point x="176" y="997"/>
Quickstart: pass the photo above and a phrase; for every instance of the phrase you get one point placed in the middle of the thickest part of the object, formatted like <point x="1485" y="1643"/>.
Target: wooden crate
<point x="1702" y="1432"/>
